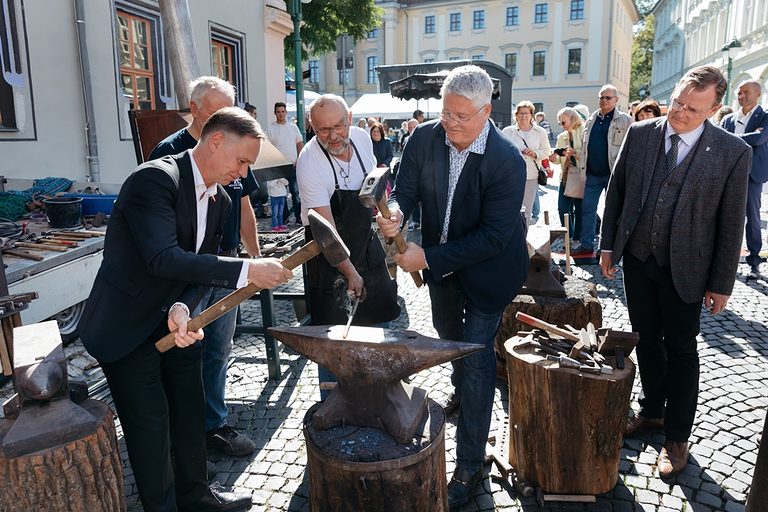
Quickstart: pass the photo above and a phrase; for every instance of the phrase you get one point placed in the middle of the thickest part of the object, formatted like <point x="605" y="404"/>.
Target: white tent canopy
<point x="384" y="106"/>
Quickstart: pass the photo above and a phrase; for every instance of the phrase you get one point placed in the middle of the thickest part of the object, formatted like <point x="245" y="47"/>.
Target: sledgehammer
<point x="326" y="241"/>
<point x="373" y="194"/>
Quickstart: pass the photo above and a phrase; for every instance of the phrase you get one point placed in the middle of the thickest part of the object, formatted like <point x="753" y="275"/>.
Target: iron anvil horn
<point x="370" y="364"/>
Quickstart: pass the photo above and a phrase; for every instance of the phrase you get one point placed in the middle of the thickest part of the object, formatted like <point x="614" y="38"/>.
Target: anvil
<point x="370" y="364"/>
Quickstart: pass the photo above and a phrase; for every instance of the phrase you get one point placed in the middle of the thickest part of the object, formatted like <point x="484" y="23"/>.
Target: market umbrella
<point x="422" y="86"/>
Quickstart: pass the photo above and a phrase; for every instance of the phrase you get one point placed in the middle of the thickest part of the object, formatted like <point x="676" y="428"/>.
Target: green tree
<point x="326" y="20"/>
<point x="645" y="6"/>
<point x="642" y="58"/>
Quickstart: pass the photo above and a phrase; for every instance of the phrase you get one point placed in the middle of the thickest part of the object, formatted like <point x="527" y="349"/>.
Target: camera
<point x="560" y="151"/>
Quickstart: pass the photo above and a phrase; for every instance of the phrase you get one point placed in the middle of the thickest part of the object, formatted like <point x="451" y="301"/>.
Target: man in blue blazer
<point x="750" y="122"/>
<point x="675" y="211"/>
<point x="161" y="246"/>
<point x="470" y="180"/>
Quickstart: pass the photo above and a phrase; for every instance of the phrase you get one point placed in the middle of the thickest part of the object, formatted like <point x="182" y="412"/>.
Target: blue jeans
<point x="293" y="187"/>
<point x="217" y="346"/>
<point x="572" y="207"/>
<point x="536" y="210"/>
<point x="592" y="190"/>
<point x="278" y="205"/>
<point x="474" y="376"/>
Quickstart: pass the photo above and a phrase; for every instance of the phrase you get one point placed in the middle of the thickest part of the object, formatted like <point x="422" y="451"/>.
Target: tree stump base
<point x="360" y="468"/>
<point x="565" y="427"/>
<point x="84" y="475"/>
<point x="579" y="307"/>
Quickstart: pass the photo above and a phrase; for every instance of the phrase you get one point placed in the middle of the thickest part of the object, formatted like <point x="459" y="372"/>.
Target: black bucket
<point x="64" y="212"/>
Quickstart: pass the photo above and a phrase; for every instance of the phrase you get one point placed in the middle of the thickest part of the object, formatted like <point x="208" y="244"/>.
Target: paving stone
<point x="708" y="499"/>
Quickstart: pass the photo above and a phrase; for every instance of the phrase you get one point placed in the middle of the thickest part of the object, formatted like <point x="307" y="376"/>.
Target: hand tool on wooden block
<point x="617" y="343"/>
<point x="492" y="454"/>
<point x="326" y="241"/>
<point x="370" y="365"/>
<point x="541" y="324"/>
<point x="540" y="280"/>
<point x="373" y="194"/>
<point x="47" y="417"/>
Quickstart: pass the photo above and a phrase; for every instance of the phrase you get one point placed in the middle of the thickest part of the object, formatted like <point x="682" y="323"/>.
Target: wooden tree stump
<point x="85" y="475"/>
<point x="359" y="468"/>
<point x="565" y="427"/>
<point x="579" y="307"/>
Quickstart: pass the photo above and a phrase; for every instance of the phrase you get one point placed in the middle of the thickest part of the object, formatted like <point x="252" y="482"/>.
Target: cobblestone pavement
<point x="732" y="403"/>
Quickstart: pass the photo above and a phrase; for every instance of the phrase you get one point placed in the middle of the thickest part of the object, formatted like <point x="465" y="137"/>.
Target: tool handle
<point x="541" y="324"/>
<point x="47" y="247"/>
<point x="5" y="356"/>
<point x="23" y="254"/>
<point x="231" y="301"/>
<point x="399" y="241"/>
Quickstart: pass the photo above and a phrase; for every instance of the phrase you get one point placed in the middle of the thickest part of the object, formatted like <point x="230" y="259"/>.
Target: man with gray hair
<point x="750" y="122"/>
<point x="603" y="134"/>
<point x="207" y="95"/>
<point x="470" y="180"/>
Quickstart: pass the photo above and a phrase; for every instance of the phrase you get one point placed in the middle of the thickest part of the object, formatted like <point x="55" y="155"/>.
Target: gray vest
<point x="654" y="227"/>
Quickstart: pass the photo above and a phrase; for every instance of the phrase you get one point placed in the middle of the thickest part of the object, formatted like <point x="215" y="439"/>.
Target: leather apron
<point x="328" y="298"/>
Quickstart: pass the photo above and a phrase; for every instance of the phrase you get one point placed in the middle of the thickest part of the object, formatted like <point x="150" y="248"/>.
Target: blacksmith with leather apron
<point x="330" y="172"/>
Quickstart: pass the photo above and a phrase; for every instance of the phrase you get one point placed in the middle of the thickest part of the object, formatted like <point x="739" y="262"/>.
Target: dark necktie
<point x="671" y="157"/>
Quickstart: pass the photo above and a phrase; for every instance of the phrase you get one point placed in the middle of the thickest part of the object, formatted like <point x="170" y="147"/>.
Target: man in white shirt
<point x="287" y="138"/>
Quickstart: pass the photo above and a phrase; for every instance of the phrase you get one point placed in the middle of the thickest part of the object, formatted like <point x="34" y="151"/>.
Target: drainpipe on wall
<point x="93" y="173"/>
<point x="610" y="46"/>
<point x="180" y="41"/>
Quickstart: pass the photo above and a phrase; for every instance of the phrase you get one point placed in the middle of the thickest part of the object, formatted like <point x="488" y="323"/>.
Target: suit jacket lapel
<point x="213" y="222"/>
<point x="754" y="120"/>
<point x="655" y="139"/>
<point x="188" y="196"/>
<point x="701" y="161"/>
<point x="441" y="169"/>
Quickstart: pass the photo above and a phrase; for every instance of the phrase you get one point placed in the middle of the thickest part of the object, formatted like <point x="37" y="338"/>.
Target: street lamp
<point x="296" y="17"/>
<point x="735" y="43"/>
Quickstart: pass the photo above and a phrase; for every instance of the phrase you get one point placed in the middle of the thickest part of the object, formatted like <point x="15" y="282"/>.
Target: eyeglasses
<point x="447" y="117"/>
<point x="562" y="123"/>
<point x="339" y="128"/>
<point x="676" y="105"/>
<point x="605" y="98"/>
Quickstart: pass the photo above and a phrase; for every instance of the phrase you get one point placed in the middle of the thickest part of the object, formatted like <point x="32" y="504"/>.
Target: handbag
<point x="541" y="177"/>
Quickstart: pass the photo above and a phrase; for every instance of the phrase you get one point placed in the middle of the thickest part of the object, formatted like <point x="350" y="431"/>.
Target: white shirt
<point x="204" y="195"/>
<point x="741" y="119"/>
<point x="316" y="178"/>
<point x="687" y="141"/>
<point x="285" y="137"/>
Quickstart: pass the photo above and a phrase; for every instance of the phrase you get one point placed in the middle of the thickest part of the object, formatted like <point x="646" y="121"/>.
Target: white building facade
<point x="694" y="32"/>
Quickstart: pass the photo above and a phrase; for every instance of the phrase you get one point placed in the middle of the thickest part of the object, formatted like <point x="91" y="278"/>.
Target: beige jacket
<point x="616" y="133"/>
<point x="562" y="142"/>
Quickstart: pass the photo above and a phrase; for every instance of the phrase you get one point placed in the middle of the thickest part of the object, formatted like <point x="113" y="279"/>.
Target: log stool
<point x="579" y="307"/>
<point x="84" y="475"/>
<point x="361" y="468"/>
<point x="565" y="427"/>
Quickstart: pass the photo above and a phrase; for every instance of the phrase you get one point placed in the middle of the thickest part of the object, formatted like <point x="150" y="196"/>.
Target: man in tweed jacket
<point x="675" y="212"/>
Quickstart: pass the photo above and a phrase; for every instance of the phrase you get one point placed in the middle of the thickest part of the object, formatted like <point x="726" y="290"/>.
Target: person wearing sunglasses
<point x="470" y="180"/>
<point x="675" y="212"/>
<point x="566" y="154"/>
<point x="603" y="134"/>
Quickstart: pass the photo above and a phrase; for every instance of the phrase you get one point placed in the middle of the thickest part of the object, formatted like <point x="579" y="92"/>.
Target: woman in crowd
<point x="382" y="146"/>
<point x="647" y="110"/>
<point x="532" y="142"/>
<point x="567" y="151"/>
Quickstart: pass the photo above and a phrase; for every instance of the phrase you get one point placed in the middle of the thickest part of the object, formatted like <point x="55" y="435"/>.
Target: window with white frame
<point x="574" y="61"/>
<point x="540" y="13"/>
<point x="455" y="22"/>
<point x="513" y="16"/>
<point x="372" y="62"/>
<point x="314" y="71"/>
<point x="429" y="24"/>
<point x="577" y="10"/>
<point x="227" y="58"/>
<point x="539" y="63"/>
<point x="510" y="63"/>
<point x="478" y="19"/>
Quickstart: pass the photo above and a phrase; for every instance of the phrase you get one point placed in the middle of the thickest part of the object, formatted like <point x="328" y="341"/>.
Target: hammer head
<point x="374" y="187"/>
<point x="329" y="241"/>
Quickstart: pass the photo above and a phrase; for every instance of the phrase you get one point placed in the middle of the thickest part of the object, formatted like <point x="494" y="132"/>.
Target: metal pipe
<point x="298" y="75"/>
<point x="94" y="172"/>
<point x="177" y="29"/>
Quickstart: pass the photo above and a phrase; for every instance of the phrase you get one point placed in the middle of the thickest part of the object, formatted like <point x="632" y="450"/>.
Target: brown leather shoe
<point x="637" y="424"/>
<point x="672" y="459"/>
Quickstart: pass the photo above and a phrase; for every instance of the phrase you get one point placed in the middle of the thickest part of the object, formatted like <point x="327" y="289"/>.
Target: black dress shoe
<point x="461" y="488"/>
<point x="219" y="501"/>
<point x="452" y="407"/>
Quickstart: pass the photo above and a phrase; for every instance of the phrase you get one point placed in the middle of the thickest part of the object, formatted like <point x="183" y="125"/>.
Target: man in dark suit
<point x="750" y="122"/>
<point x="675" y="212"/>
<point x="469" y="179"/>
<point x="163" y="235"/>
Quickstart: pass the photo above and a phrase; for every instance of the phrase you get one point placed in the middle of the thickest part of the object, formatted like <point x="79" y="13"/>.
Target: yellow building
<point x="560" y="52"/>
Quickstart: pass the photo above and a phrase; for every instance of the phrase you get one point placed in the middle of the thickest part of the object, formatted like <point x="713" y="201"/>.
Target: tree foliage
<point x="326" y="20"/>
<point x="645" y="6"/>
<point x="642" y="58"/>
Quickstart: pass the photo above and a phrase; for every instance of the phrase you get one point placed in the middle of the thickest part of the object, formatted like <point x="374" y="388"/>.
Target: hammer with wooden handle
<point x="326" y="241"/>
<point x="541" y="324"/>
<point x="373" y="194"/>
